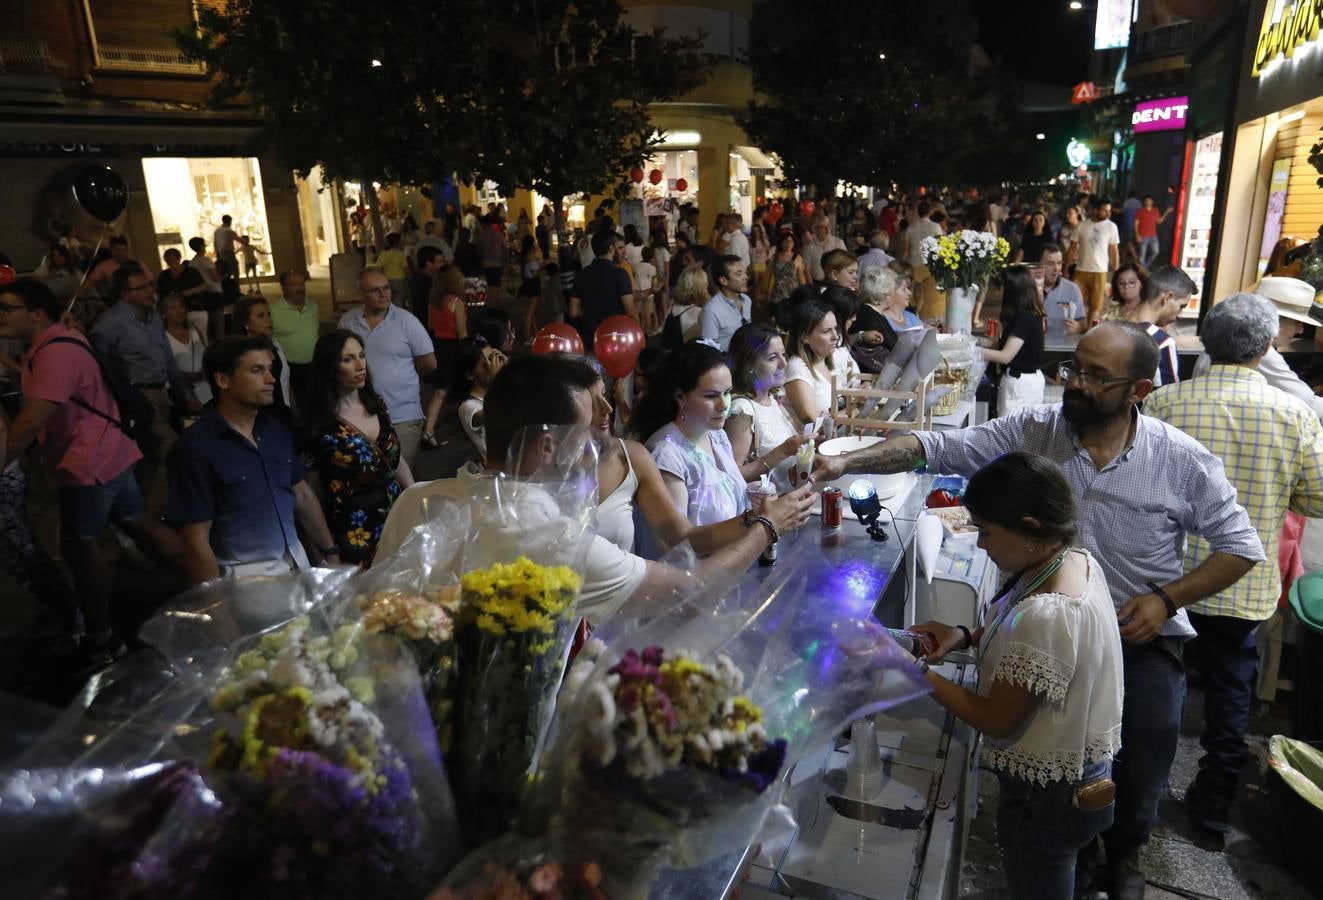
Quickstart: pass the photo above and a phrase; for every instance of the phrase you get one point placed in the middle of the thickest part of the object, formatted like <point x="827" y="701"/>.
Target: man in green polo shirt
<point x="296" y="324"/>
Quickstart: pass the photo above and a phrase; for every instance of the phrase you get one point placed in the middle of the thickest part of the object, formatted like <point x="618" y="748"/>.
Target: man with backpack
<point x="86" y="443"/>
<point x="131" y="336"/>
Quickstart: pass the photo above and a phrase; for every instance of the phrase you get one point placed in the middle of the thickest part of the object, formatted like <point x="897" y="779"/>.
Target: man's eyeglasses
<point x="1069" y="373"/>
<point x="382" y="289"/>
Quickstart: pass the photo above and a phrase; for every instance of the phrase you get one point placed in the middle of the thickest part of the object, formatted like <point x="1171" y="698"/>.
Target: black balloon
<point x="100" y="191"/>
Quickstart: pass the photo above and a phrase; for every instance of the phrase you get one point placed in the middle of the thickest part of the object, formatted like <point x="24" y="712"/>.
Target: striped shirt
<point x="1133" y="515"/>
<point x="1272" y="447"/>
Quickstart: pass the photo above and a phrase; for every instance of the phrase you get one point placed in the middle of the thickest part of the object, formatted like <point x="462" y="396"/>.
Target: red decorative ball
<point x="7" y="275"/>
<point x="617" y="345"/>
<point x="557" y="337"/>
<point x="681" y="184"/>
<point x="636" y="174"/>
<point x="655" y="176"/>
<point x="807" y="208"/>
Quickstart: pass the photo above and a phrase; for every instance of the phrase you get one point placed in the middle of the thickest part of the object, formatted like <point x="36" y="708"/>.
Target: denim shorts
<point x="86" y="509"/>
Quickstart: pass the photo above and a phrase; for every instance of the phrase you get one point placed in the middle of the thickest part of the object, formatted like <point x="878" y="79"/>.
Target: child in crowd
<point x="251" y="266"/>
<point x="476" y="364"/>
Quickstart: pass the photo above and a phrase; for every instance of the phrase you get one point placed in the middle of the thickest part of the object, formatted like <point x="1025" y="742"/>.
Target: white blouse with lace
<point x="1067" y="650"/>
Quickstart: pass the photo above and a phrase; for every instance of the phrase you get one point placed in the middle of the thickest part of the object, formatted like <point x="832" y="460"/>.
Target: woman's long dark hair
<point x="324" y="396"/>
<point x="1019" y="294"/>
<point x="803" y="319"/>
<point x="1020" y="486"/>
<point x="678" y="374"/>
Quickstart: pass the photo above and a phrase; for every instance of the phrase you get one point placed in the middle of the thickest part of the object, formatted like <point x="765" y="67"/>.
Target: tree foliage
<point x="836" y="110"/>
<point x="544" y="94"/>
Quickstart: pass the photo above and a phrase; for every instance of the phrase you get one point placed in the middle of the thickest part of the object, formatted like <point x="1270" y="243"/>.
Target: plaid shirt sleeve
<point x="966" y="450"/>
<point x="1307" y="492"/>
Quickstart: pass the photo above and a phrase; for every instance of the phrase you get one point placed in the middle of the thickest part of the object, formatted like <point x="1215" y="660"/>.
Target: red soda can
<point x="833" y="501"/>
<point x="1094" y="323"/>
<point x="1045" y="324"/>
<point x="992" y="328"/>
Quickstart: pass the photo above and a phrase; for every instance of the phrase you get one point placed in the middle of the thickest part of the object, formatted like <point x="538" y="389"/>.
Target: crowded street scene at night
<point x="712" y="450"/>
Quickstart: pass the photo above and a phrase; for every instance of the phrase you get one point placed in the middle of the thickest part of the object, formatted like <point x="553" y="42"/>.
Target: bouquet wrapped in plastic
<point x="301" y="764"/>
<point x="515" y="868"/>
<point x="673" y="738"/>
<point x="520" y="577"/>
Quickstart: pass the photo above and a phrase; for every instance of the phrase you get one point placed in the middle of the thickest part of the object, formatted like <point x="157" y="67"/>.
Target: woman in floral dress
<point x="352" y="447"/>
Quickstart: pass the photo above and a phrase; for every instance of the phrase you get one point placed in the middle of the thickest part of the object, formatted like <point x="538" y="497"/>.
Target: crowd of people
<point x="1138" y="511"/>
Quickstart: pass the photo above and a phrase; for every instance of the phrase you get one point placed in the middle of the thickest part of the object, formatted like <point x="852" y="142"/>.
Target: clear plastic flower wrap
<point x="517" y="868"/>
<point x="673" y="738"/>
<point x="520" y="576"/>
<point x="301" y="763"/>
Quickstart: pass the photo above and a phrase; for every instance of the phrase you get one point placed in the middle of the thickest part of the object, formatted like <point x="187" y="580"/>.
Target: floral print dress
<point x="359" y="484"/>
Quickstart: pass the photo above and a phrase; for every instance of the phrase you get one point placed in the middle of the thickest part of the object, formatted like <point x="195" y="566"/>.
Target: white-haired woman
<point x="885" y="308"/>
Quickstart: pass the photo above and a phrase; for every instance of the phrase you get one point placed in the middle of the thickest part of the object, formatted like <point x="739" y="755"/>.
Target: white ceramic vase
<point x="960" y="310"/>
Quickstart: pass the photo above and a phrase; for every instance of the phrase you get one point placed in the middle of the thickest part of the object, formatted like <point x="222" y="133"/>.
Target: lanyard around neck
<point x="1034" y="584"/>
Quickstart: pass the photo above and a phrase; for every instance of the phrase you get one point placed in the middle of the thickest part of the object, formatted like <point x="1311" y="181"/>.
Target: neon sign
<point x="1167" y="114"/>
<point x="1297" y="23"/>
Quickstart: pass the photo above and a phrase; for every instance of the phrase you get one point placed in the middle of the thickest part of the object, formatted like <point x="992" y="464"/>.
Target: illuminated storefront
<point x="189" y="195"/>
<point x="1270" y="190"/>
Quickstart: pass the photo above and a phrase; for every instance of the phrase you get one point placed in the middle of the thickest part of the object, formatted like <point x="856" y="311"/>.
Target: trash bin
<point x="1306" y="597"/>
<point x="1295" y="788"/>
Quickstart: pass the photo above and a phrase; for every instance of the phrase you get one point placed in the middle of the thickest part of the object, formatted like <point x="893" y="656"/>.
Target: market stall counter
<point x="902" y="833"/>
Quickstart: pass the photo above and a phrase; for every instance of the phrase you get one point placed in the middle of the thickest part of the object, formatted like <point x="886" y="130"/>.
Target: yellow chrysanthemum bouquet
<point x="964" y="259"/>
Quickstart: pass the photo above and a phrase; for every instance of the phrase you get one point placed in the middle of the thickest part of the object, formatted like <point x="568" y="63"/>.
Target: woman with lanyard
<point x="1049" y="693"/>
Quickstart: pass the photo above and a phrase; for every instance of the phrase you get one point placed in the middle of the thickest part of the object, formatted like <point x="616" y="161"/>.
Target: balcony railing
<point x="25" y="57"/>
<point x="1167" y="40"/>
<point x="146" y="59"/>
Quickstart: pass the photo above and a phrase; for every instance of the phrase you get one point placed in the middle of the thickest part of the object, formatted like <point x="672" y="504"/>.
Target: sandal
<point x="429" y="440"/>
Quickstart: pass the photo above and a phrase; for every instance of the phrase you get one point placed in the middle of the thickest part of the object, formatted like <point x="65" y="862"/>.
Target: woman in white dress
<point x="187" y="344"/>
<point x="1050" y="675"/>
<point x="683" y="415"/>
<point x="817" y="361"/>
<point x="759" y="427"/>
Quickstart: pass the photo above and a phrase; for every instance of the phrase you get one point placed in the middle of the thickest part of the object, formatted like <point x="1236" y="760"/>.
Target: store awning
<point x="154" y="136"/>
<point x="759" y="162"/>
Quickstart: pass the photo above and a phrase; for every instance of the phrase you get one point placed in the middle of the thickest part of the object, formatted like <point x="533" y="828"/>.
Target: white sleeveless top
<point x="188" y="357"/>
<point x="1067" y="650"/>
<point x="771" y="427"/>
<point x="615" y="514"/>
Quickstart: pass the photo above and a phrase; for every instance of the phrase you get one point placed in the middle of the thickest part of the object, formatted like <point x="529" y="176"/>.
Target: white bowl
<point x="887" y="486"/>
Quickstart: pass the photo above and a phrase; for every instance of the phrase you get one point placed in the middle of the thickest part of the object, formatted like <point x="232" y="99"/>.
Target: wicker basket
<point x="956" y="376"/>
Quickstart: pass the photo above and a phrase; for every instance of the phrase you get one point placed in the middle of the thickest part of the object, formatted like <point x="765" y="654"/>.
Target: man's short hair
<point x="288" y="272"/>
<point x="1169" y="278"/>
<point x="36" y="296"/>
<point x="721" y="267"/>
<point x="173" y="252"/>
<point x="603" y="240"/>
<point x="1049" y="247"/>
<point x="1100" y="202"/>
<point x="923" y="208"/>
<point x="119" y="240"/>
<point x="1238" y="329"/>
<point x="197" y="245"/>
<point x="223" y="354"/>
<point x="226" y="219"/>
<point x="119" y="279"/>
<point x="1143" y="360"/>
<point x="429" y="226"/>
<point x="533" y="390"/>
<point x="368" y="271"/>
<point x="426" y="253"/>
<point x="878" y="238"/>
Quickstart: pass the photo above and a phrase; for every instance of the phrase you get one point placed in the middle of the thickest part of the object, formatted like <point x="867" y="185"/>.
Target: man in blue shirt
<point x="131" y="336"/>
<point x="236" y="481"/>
<point x="601" y="290"/>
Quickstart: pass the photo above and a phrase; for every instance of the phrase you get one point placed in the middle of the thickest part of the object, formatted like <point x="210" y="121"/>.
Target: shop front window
<point x="188" y="197"/>
<point x="318" y="215"/>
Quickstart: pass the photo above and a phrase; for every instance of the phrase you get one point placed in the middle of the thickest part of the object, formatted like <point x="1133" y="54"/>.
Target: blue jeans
<point x="1150" y="724"/>
<point x="1225" y="652"/>
<point x="1148" y="251"/>
<point x="1040" y="831"/>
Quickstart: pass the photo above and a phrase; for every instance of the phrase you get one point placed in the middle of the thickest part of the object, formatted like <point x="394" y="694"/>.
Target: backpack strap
<point x="76" y="401"/>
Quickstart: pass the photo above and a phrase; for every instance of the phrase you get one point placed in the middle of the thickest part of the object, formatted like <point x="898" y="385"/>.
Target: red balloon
<point x="807" y="208"/>
<point x="617" y="345"/>
<point x="7" y="275"/>
<point x="655" y="176"/>
<point x="557" y="337"/>
<point x="681" y="184"/>
<point x="636" y="174"/>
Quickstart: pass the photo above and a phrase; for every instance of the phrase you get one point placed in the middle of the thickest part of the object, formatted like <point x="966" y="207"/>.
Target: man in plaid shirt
<point x="1140" y="486"/>
<point x="1272" y="446"/>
